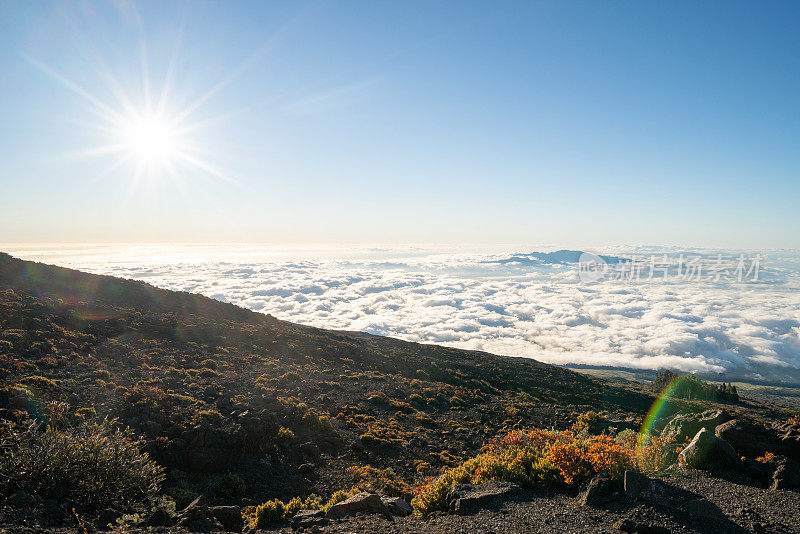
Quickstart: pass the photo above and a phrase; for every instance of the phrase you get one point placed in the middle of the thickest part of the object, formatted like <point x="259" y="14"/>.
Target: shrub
<point x="94" y="464"/>
<point x="338" y="496"/>
<point x="209" y="416"/>
<point x="531" y="458"/>
<point x="691" y="387"/>
<point x="39" y="382"/>
<point x="652" y="453"/>
<point x="317" y="422"/>
<point x="271" y="512"/>
<point x="589" y="421"/>
<point x="105" y="374"/>
<point x="765" y="458"/>
<point x="291" y="376"/>
<point x="229" y="486"/>
<point x="297" y="504"/>
<point x="378" y="397"/>
<point x="285" y="434"/>
<point x="263" y="515"/>
<point x="384" y="481"/>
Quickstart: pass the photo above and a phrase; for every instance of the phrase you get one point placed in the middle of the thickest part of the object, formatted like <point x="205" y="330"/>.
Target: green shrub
<point x="271" y="512"/>
<point x="209" y="416"/>
<point x="291" y="376"/>
<point x="94" y="465"/>
<point x="229" y="486"/>
<point x="39" y="382"/>
<point x="182" y="496"/>
<point x="266" y="514"/>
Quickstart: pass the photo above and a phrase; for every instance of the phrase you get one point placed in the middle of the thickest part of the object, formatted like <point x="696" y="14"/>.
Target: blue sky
<point x="574" y="123"/>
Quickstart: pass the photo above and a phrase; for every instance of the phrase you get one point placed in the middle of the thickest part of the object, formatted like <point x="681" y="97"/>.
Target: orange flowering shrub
<point x="653" y="453"/>
<point x="531" y="458"/>
<point x="766" y="457"/>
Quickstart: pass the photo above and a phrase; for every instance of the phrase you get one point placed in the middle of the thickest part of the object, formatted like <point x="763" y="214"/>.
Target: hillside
<point x="242" y="408"/>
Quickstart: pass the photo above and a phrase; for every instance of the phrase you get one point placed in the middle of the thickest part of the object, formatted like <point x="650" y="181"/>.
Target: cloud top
<point x="537" y="310"/>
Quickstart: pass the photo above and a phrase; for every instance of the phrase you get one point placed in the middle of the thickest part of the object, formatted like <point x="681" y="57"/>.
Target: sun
<point x="151" y="139"/>
<point x="142" y="133"/>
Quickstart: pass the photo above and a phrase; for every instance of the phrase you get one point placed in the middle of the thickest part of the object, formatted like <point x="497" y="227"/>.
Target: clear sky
<point x="453" y="122"/>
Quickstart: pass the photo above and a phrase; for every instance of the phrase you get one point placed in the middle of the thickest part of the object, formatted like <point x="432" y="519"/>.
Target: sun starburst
<point x="157" y="139"/>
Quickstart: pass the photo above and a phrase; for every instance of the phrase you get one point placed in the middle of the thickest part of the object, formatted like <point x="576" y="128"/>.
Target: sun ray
<point x="208" y="168"/>
<point x="110" y="114"/>
<point x="167" y="84"/>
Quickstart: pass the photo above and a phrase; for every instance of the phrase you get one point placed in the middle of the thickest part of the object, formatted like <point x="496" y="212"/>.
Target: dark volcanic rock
<point x="636" y="484"/>
<point x="688" y="425"/>
<point x="357" y="445"/>
<point x="229" y="516"/>
<point x="107" y="517"/>
<point x="310" y="449"/>
<point x="597" y="492"/>
<point x="754" y="440"/>
<point x="306" y="469"/>
<point x="786" y="474"/>
<point x="308" y="518"/>
<point x="206" y="524"/>
<point x="397" y="506"/>
<point x="468" y="498"/>
<point x="159" y="518"/>
<point x="197" y="510"/>
<point x="22" y="499"/>
<point x="364" y="502"/>
<point x="706" y="451"/>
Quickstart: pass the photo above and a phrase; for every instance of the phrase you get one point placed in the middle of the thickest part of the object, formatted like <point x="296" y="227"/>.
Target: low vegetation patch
<point x="271" y="512"/>
<point x="543" y="458"/>
<point x="93" y="464"/>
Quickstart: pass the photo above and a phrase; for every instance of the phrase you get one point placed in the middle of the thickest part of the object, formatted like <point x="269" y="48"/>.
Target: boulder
<point x="197" y="510"/>
<point x="685" y="426"/>
<point x="753" y="440"/>
<point x="151" y="428"/>
<point x="597" y="492"/>
<point x="364" y="502"/>
<point x="159" y="518"/>
<point x="468" y="498"/>
<point x="636" y="484"/>
<point x="230" y="517"/>
<point x="107" y="517"/>
<point x="207" y="524"/>
<point x="310" y="449"/>
<point x="396" y="506"/>
<point x="309" y="518"/>
<point x="707" y="451"/>
<point x="306" y="469"/>
<point x="786" y="474"/>
<point x="22" y="499"/>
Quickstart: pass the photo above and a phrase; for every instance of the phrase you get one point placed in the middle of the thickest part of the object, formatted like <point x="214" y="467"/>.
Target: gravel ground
<point x="683" y="501"/>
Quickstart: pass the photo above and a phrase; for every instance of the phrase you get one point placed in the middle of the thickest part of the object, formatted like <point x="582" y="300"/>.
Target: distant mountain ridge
<point x="559" y="257"/>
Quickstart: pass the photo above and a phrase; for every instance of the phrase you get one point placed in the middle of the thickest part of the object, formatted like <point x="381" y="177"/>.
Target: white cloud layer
<point x="455" y="298"/>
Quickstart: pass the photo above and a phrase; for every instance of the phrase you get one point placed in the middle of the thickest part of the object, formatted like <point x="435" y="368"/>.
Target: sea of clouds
<point x="462" y="298"/>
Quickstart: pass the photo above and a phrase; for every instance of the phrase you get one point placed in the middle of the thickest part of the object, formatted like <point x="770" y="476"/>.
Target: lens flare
<point x="658" y="409"/>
